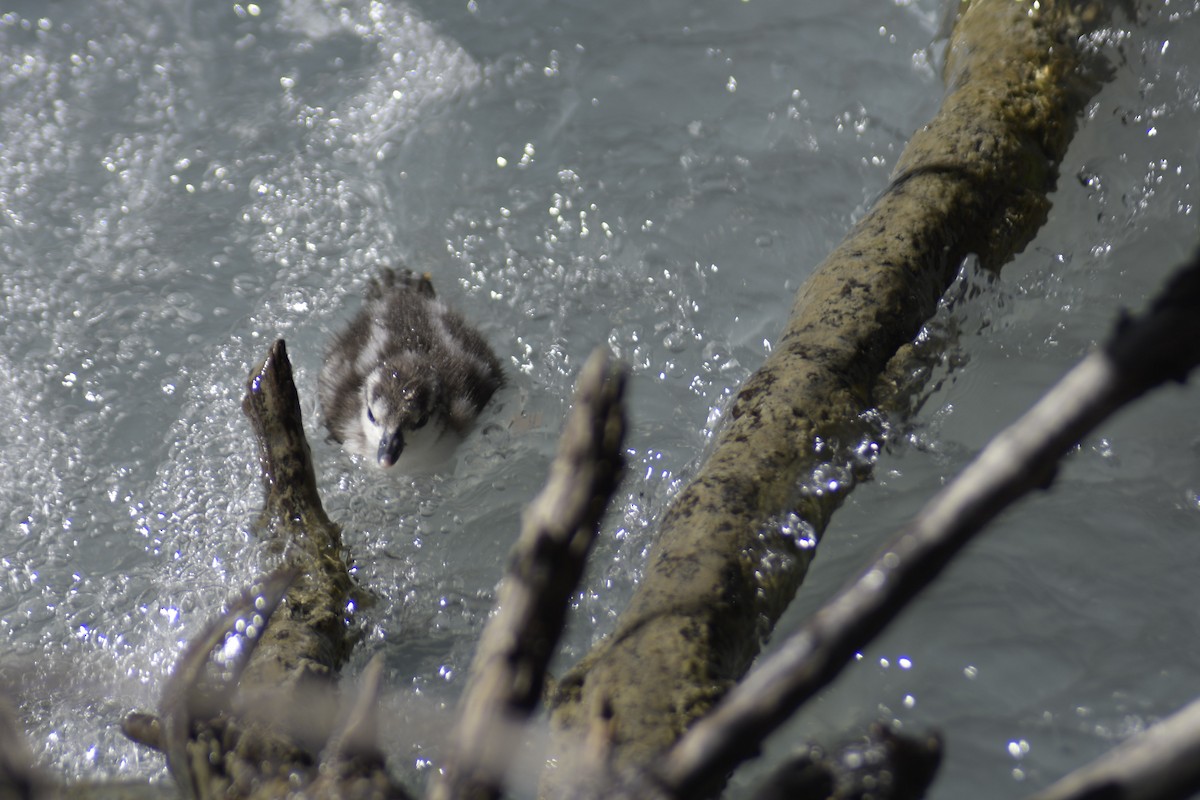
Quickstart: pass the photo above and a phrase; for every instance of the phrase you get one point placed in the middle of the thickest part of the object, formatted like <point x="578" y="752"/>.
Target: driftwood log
<point x="974" y="180"/>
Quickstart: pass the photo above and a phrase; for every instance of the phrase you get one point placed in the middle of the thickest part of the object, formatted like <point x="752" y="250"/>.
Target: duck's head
<point x="398" y="400"/>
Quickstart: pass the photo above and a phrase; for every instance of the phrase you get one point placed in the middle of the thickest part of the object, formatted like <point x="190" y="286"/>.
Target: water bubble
<point x="675" y="341"/>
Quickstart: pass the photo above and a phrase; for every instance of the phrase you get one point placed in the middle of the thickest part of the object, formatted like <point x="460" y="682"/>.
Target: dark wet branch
<point x="273" y="408"/>
<point x="545" y="567"/>
<point x="881" y="765"/>
<point x="1160" y="346"/>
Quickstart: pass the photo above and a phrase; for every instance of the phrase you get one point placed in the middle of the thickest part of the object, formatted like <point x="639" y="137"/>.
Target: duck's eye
<point x="370" y="415"/>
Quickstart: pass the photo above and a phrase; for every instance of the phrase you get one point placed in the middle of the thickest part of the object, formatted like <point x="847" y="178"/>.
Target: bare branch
<point x="1163" y="345"/>
<point x="357" y="733"/>
<point x="544" y="570"/>
<point x="310" y="642"/>
<point x="256" y="733"/>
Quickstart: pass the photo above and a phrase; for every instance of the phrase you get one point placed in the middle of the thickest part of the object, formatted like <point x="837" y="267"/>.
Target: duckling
<point x="407" y="377"/>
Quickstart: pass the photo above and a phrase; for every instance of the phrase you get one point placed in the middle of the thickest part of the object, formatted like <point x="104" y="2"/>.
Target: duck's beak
<point x="390" y="448"/>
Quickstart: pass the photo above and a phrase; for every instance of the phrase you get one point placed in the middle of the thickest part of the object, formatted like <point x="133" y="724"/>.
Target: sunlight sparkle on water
<point x="1018" y="748"/>
<point x="231" y="648"/>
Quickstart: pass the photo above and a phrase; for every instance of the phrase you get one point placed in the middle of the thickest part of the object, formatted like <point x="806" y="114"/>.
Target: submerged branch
<point x="1162" y="345"/>
<point x="974" y="180"/>
<point x="544" y="570"/>
<point x="881" y="765"/>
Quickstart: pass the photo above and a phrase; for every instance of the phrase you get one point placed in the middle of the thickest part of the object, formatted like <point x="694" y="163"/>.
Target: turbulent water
<point x="181" y="183"/>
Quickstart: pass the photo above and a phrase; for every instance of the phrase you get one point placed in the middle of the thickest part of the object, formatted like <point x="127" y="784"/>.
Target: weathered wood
<point x="974" y="180"/>
<point x="1162" y="345"/>
<point x="310" y="641"/>
<point x="190" y="712"/>
<point x="546" y="564"/>
<point x="258" y="731"/>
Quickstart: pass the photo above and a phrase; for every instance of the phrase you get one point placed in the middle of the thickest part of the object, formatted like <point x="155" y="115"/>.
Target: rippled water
<point x="180" y="183"/>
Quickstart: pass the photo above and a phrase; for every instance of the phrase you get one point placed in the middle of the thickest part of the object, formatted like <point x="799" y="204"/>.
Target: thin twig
<point x="544" y="570"/>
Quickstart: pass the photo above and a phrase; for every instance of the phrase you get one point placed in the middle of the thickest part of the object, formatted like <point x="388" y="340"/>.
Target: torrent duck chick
<point x="407" y="377"/>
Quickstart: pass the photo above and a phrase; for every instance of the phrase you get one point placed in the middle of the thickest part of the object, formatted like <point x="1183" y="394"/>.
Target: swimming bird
<point x="407" y="377"/>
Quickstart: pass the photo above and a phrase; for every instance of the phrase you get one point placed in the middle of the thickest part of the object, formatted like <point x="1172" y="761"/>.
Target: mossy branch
<point x="974" y="180"/>
<point x="258" y="730"/>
